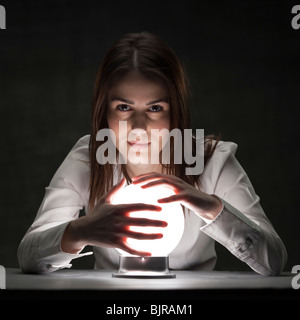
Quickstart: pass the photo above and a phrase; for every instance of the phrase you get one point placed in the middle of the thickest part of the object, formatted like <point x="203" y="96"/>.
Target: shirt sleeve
<point x="242" y="226"/>
<point x="40" y="249"/>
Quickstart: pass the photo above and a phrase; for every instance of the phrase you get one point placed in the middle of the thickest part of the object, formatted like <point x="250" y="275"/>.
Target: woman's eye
<point x="123" y="107"/>
<point x="155" y="108"/>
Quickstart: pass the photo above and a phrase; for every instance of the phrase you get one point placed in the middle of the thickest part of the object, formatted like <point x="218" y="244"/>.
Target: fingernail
<point x="146" y="254"/>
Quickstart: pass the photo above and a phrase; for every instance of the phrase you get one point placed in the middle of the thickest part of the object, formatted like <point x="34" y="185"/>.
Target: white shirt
<point x="242" y="226"/>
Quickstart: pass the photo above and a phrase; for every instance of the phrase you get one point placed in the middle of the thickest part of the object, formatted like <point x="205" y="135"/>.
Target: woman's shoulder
<point x="214" y="165"/>
<point x="75" y="167"/>
<point x="82" y="144"/>
<point x="225" y="148"/>
<point x="219" y="150"/>
<point x="80" y="150"/>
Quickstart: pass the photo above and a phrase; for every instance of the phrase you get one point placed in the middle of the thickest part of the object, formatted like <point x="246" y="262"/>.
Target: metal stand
<point x="144" y="267"/>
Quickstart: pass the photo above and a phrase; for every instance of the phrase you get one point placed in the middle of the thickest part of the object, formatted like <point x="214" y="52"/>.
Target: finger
<point x="174" y="198"/>
<point x="139" y="207"/>
<point x="135" y="252"/>
<point x="115" y="188"/>
<point x="155" y="183"/>
<point x="161" y="182"/>
<point x="143" y="236"/>
<point x="147" y="223"/>
<point x="145" y="179"/>
<point x="148" y="176"/>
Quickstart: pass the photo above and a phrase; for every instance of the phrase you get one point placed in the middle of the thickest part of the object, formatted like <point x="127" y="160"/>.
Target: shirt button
<point x="246" y="245"/>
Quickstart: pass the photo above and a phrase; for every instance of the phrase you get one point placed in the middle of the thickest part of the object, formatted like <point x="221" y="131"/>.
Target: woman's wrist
<point x="72" y="241"/>
<point x="213" y="208"/>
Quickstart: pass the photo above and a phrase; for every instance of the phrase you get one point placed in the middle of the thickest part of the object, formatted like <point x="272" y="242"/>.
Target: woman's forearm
<point x="72" y="240"/>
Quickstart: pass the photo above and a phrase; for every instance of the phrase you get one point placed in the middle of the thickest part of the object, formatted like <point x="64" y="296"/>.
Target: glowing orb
<point x="172" y="213"/>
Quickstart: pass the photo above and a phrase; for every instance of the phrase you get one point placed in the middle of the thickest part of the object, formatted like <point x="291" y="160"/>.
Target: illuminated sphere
<point x="172" y="213"/>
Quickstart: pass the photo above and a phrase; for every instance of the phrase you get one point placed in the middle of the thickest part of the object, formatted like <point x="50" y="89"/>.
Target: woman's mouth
<point x="138" y="144"/>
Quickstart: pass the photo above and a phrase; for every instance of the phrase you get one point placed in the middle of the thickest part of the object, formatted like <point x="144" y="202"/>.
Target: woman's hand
<point x="107" y="225"/>
<point x="205" y="205"/>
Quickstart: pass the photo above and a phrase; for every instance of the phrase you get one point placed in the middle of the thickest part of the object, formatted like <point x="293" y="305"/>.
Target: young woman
<point x="142" y="83"/>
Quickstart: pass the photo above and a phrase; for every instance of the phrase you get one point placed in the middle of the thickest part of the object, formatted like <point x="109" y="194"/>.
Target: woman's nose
<point x="138" y="121"/>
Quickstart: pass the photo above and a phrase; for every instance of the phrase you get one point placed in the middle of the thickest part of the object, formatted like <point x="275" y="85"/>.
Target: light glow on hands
<point x="172" y="213"/>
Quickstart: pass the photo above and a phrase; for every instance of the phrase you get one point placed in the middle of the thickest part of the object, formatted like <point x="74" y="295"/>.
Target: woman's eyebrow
<point x="122" y="99"/>
<point x="132" y="102"/>
<point x="156" y="101"/>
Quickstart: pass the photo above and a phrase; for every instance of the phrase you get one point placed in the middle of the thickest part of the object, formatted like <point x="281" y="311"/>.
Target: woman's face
<point x="144" y="105"/>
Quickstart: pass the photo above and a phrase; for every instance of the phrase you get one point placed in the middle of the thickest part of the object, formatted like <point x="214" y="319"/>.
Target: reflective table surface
<point x="73" y="283"/>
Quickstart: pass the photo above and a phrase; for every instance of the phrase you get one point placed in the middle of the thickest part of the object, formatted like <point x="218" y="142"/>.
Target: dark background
<point x="243" y="61"/>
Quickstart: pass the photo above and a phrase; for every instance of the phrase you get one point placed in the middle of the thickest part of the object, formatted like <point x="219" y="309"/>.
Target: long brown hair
<point x="152" y="57"/>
